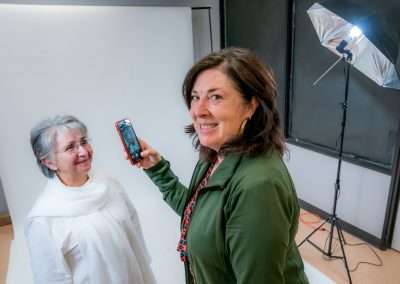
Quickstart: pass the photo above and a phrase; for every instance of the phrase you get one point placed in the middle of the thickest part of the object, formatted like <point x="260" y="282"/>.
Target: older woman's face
<point x="72" y="156"/>
<point x="217" y="108"/>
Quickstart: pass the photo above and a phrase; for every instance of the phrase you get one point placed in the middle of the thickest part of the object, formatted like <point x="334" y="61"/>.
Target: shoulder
<point x="118" y="199"/>
<point x="42" y="201"/>
<point x="263" y="168"/>
<point x="105" y="179"/>
<point x="102" y="177"/>
<point x="116" y="190"/>
<point x="261" y="182"/>
<point x="262" y="177"/>
<point x="36" y="226"/>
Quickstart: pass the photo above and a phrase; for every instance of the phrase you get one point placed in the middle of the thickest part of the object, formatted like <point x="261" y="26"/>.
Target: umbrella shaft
<point x="326" y="72"/>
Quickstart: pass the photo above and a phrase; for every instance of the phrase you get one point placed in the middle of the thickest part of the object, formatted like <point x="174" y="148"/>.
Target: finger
<point x="143" y="144"/>
<point x="148" y="153"/>
<point x="137" y="164"/>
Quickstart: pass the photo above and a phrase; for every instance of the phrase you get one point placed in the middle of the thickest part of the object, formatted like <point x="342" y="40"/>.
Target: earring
<point x="243" y="125"/>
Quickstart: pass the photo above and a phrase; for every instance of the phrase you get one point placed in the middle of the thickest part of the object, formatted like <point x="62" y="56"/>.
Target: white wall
<point x="100" y="64"/>
<point x="3" y="203"/>
<point x="396" y="234"/>
<point x="364" y="192"/>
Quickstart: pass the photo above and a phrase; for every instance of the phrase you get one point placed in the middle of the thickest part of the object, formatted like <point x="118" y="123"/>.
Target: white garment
<point x="89" y="234"/>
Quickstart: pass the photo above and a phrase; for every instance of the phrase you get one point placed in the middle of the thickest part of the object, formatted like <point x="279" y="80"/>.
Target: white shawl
<point x="87" y="234"/>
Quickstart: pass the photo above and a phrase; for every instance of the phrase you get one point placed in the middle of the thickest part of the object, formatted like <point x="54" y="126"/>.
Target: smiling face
<point x="72" y="157"/>
<point x="217" y="108"/>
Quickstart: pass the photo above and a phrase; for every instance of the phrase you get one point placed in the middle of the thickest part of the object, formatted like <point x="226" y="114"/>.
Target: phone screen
<point x="129" y="138"/>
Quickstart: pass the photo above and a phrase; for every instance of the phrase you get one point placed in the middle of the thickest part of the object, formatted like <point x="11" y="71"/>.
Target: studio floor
<point x="6" y="235"/>
<point x="362" y="258"/>
<point x="368" y="264"/>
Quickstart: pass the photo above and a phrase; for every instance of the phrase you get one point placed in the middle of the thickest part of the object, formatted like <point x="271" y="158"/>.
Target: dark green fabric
<point x="243" y="227"/>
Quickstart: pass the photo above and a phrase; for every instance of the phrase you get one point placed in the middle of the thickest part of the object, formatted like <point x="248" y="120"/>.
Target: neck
<point x="73" y="181"/>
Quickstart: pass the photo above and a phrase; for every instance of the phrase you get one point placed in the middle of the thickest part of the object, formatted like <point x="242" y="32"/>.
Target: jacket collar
<point x="222" y="174"/>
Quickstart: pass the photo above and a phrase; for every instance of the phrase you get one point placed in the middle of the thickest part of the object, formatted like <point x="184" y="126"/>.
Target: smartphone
<point x="129" y="139"/>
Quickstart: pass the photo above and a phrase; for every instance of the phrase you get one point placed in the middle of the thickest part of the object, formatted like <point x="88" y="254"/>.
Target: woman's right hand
<point x="150" y="157"/>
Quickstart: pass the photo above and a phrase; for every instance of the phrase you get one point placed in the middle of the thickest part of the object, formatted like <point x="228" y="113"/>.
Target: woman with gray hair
<point x="83" y="228"/>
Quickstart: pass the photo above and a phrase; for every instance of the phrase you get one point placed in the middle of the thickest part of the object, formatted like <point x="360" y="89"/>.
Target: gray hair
<point x="43" y="137"/>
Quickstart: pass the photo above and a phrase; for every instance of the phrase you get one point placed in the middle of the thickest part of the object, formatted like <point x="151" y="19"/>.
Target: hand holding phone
<point x="138" y="152"/>
<point x="150" y="157"/>
<point x="129" y="140"/>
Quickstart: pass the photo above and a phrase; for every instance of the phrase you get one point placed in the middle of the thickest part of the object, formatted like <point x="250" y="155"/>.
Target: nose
<point x="200" y="107"/>
<point x="83" y="150"/>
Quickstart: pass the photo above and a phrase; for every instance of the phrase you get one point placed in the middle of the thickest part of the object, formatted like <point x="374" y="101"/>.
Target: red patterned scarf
<point x="182" y="244"/>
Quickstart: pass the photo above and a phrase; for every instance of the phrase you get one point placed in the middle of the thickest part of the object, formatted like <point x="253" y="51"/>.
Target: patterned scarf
<point x="182" y="244"/>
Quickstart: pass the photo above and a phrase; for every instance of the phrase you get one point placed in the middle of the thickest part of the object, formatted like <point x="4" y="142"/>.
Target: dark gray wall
<point x="373" y="111"/>
<point x="261" y="26"/>
<point x="313" y="114"/>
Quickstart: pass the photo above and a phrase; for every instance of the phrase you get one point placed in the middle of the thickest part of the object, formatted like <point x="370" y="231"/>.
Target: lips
<point x="206" y="127"/>
<point x="82" y="162"/>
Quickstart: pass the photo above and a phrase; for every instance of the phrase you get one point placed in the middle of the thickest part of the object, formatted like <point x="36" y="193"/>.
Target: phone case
<point x="129" y="139"/>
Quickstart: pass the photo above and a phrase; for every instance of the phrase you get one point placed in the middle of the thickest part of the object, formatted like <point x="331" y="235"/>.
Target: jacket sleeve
<point x="47" y="260"/>
<point x="174" y="193"/>
<point x="257" y="232"/>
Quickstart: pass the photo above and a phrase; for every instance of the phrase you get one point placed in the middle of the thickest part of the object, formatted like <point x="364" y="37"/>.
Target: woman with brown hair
<point x="240" y="211"/>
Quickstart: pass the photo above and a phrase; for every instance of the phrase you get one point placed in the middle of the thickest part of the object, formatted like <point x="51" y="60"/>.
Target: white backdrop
<point x="100" y="64"/>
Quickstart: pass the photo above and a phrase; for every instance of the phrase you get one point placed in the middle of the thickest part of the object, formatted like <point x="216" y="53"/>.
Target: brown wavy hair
<point x="262" y="132"/>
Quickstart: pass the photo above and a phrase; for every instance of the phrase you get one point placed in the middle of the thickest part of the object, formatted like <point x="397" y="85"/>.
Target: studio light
<point x="354" y="48"/>
<point x="355" y="32"/>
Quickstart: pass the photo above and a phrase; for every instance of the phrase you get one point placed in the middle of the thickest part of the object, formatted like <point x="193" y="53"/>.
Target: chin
<point x="205" y="143"/>
<point x="85" y="168"/>
<point x="210" y="146"/>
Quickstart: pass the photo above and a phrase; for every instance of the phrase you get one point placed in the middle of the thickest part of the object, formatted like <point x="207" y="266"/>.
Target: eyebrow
<point x="71" y="142"/>
<point x="208" y="91"/>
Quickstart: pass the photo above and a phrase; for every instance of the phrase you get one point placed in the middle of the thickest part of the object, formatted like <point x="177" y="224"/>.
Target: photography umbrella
<point x="346" y="28"/>
<point x="361" y="39"/>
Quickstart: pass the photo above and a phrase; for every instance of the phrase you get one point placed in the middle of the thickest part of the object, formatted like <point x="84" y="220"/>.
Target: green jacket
<point x="243" y="227"/>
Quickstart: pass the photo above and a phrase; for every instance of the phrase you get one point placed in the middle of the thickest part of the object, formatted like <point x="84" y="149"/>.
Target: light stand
<point x="333" y="218"/>
<point x="347" y="40"/>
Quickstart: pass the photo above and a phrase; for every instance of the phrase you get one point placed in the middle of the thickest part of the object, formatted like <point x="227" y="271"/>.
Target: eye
<point x="215" y="97"/>
<point x="194" y="98"/>
<point x="69" y="148"/>
<point x="84" y="141"/>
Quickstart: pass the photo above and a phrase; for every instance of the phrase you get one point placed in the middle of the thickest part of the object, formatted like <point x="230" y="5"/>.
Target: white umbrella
<point x="345" y="39"/>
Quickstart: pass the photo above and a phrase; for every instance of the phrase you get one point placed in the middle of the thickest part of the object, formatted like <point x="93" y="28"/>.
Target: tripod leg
<point x="331" y="232"/>
<point x="312" y="233"/>
<point x="341" y="241"/>
<point x="344" y="240"/>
